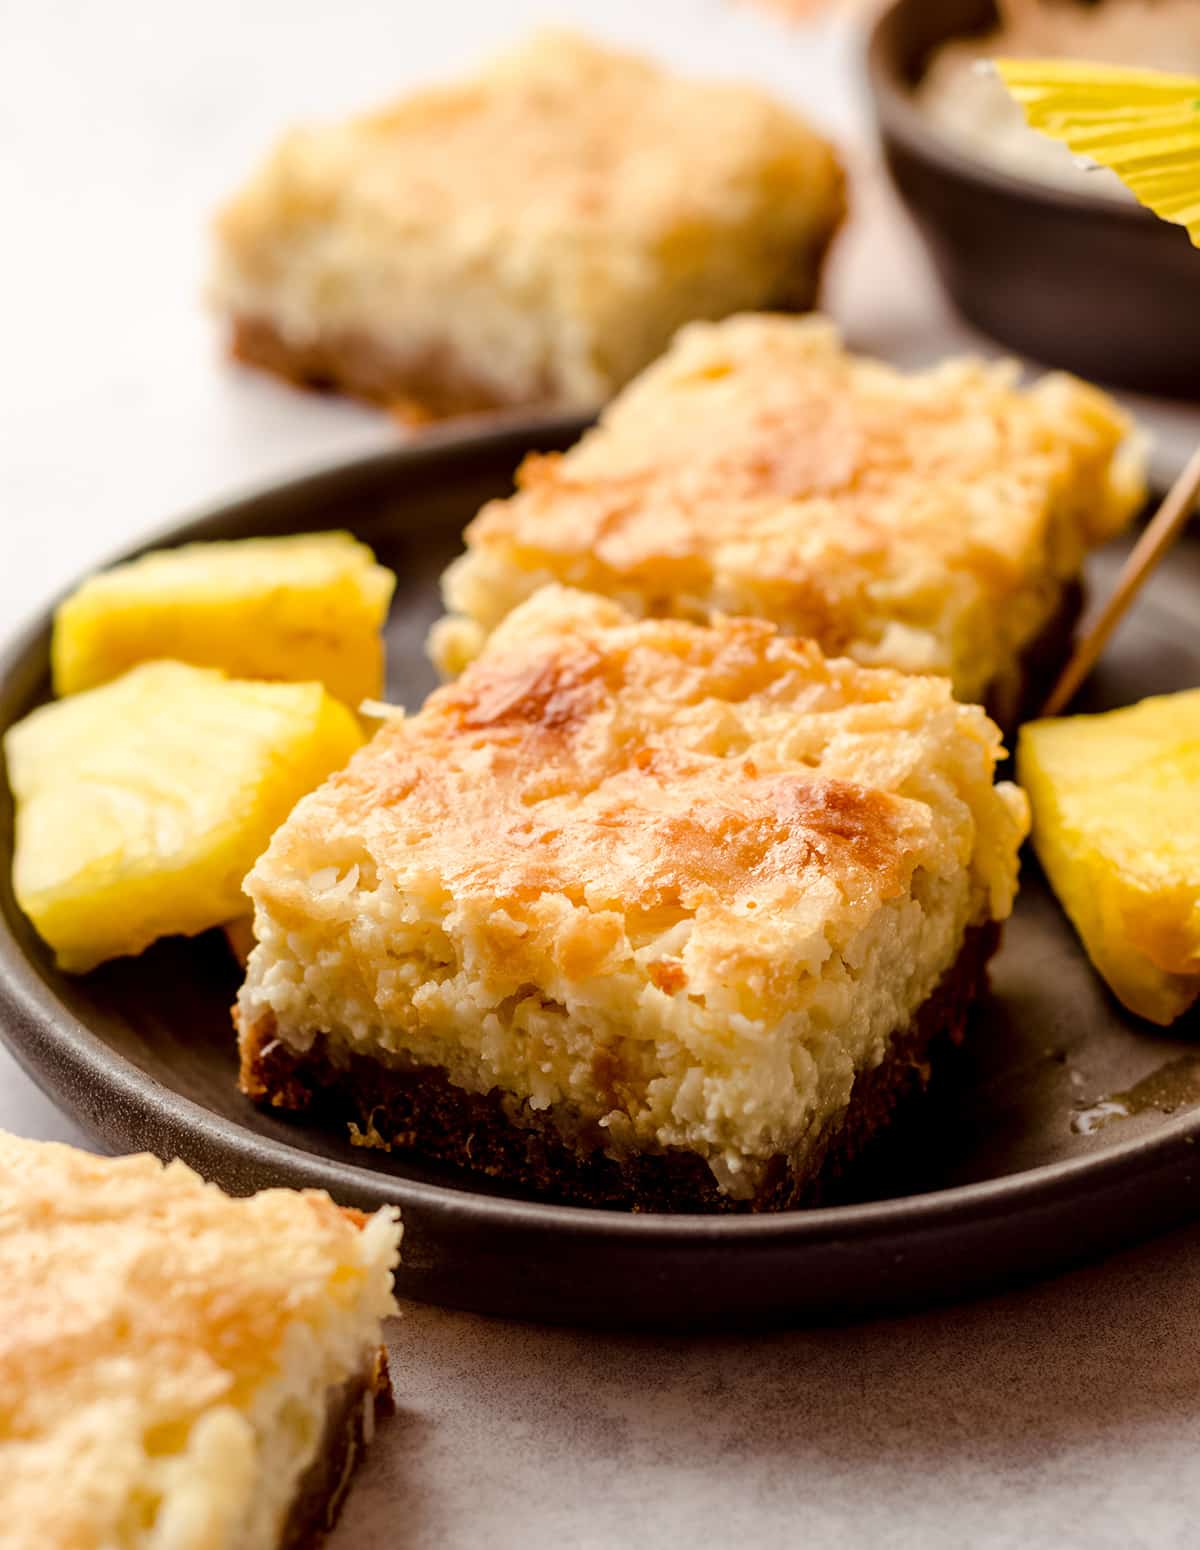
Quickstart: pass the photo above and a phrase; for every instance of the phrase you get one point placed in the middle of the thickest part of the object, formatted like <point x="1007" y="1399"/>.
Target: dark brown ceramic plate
<point x="1070" y="279"/>
<point x="993" y="1177"/>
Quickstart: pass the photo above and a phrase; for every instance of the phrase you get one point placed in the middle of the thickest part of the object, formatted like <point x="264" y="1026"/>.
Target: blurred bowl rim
<point x="898" y="116"/>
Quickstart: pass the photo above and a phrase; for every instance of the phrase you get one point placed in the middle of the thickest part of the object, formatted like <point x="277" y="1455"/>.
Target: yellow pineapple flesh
<point x="308" y="608"/>
<point x="141" y="805"/>
<point x="1116" y="825"/>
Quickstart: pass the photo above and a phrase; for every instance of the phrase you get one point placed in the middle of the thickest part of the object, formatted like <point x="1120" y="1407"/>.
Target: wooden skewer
<point x="1151" y="547"/>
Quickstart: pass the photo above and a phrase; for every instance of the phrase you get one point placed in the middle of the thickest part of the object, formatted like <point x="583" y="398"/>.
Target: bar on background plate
<point x="935" y="522"/>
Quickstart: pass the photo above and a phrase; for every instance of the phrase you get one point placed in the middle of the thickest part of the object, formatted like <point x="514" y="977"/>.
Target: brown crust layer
<point x="1009" y="703"/>
<point x="430" y="384"/>
<point x="421" y="1110"/>
<point x="324" y="1484"/>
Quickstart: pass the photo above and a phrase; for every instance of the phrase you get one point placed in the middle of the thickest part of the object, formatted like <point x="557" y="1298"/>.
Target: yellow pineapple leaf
<point x="1142" y="124"/>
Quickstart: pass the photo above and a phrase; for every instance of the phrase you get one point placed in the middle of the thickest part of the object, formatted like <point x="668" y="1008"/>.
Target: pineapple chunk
<point x="140" y="806"/>
<point x="1116" y="825"/>
<point x="308" y="608"/>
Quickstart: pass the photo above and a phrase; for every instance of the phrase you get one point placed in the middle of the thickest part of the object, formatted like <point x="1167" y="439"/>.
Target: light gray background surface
<point x="1065" y="1415"/>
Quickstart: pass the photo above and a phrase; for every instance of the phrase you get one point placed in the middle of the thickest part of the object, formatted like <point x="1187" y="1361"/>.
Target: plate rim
<point x="61" y="1053"/>
<point x="83" y="1054"/>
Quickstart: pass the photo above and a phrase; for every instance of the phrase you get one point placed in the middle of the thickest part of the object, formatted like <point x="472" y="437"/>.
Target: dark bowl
<point x="1071" y="279"/>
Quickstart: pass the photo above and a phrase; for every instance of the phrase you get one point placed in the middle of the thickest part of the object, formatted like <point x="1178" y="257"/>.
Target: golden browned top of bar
<point x="559" y="133"/>
<point x="656" y="769"/>
<point x="916" y="521"/>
